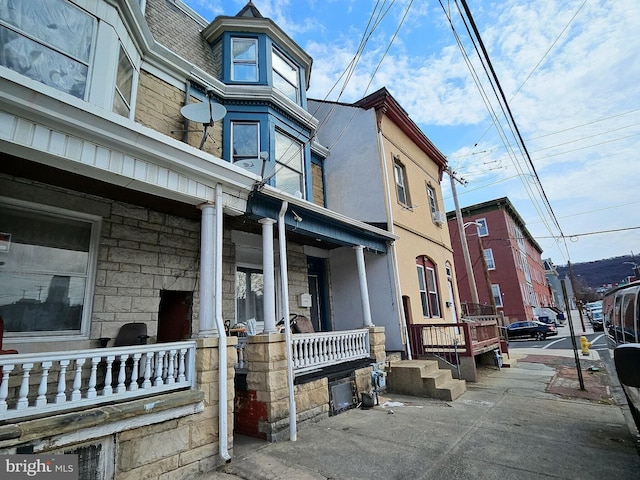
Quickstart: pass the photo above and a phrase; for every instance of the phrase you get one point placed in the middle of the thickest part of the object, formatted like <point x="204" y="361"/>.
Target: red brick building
<point x="512" y="276"/>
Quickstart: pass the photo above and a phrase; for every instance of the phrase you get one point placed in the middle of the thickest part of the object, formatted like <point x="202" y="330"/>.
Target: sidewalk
<point x="528" y="421"/>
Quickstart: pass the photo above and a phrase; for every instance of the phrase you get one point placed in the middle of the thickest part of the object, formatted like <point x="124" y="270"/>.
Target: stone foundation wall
<point x="262" y="410"/>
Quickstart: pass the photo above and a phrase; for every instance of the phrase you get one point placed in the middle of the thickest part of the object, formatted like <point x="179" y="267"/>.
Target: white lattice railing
<point x="311" y="351"/>
<point x="33" y="384"/>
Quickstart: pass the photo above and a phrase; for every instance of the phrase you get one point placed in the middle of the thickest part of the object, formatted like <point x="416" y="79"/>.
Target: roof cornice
<point x="382" y="101"/>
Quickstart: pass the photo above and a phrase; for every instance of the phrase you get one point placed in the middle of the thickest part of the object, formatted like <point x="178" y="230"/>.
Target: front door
<point x="174" y="317"/>
<point x="317" y="275"/>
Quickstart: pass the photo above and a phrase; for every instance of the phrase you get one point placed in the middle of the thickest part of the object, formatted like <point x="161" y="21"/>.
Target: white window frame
<point x="433" y="201"/>
<point x="400" y="176"/>
<point x="117" y="91"/>
<point x="31" y="35"/>
<point x="252" y="162"/>
<point x="90" y="275"/>
<point x="489" y="260"/>
<point x="246" y="62"/>
<point x="497" y="295"/>
<point x="424" y="295"/>
<point x="285" y="164"/>
<point x="283" y="75"/>
<point x="483" y="229"/>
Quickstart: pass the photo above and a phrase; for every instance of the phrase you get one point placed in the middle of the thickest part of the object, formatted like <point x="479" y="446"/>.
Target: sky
<point x="568" y="153"/>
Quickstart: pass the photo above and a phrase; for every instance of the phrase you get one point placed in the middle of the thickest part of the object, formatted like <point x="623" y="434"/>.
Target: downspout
<point x="392" y="246"/>
<point x="222" y="342"/>
<point x="284" y="278"/>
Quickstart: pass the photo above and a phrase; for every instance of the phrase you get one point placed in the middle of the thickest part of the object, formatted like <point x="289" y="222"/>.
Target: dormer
<point x="252" y="50"/>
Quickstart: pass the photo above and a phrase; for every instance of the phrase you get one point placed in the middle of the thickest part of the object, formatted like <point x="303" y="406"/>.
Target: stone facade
<point x="262" y="408"/>
<point x="158" y="108"/>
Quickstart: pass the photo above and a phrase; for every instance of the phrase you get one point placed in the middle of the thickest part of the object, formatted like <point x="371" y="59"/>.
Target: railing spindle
<point x="61" y="396"/>
<point x="77" y="380"/>
<point x="41" y="400"/>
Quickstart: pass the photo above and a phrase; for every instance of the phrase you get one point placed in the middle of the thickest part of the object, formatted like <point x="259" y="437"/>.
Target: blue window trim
<point x="227" y="60"/>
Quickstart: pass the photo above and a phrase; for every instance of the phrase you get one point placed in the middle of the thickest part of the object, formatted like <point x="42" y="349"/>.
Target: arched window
<point x="428" y="286"/>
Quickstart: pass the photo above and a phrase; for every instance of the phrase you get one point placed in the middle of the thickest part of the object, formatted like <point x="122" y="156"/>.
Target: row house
<point x="384" y="170"/>
<point x="506" y="260"/>
<point x="163" y="217"/>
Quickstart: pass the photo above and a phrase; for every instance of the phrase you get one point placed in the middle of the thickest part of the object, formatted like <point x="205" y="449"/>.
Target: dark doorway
<point x="174" y="317"/>
<point x="317" y="275"/>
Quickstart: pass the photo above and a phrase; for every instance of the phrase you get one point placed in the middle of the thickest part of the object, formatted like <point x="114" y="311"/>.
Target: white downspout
<point x="222" y="342"/>
<point x="284" y="278"/>
<point x="394" y="254"/>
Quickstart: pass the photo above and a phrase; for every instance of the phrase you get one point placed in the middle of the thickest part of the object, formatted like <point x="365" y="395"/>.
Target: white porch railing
<point x="35" y="384"/>
<point x="312" y="351"/>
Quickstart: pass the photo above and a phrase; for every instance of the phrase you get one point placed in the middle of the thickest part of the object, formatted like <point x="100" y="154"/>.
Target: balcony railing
<point x="42" y="383"/>
<point x="467" y="338"/>
<point x="313" y="351"/>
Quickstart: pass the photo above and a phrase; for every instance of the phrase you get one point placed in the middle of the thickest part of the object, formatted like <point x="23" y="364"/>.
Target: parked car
<point x="537" y="330"/>
<point x="597" y="320"/>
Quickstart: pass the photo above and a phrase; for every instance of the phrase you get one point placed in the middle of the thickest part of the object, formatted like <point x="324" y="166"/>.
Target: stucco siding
<point x="352" y="171"/>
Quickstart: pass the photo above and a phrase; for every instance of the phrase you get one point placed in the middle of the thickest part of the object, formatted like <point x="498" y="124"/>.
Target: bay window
<point x="49" y="41"/>
<point x="46" y="269"/>
<point x="245" y="141"/>
<point x="286" y="76"/>
<point x="289" y="164"/>
<point x="244" y="58"/>
<point x="124" y="85"/>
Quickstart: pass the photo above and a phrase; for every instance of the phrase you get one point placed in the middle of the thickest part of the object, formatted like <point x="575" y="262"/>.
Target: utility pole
<point x="463" y="239"/>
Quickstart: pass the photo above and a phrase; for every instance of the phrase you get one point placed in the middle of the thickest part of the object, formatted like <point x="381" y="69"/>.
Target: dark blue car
<point x="537" y="330"/>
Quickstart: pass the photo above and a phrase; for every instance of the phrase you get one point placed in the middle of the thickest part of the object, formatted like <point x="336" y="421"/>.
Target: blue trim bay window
<point x="244" y="59"/>
<point x="289" y="174"/>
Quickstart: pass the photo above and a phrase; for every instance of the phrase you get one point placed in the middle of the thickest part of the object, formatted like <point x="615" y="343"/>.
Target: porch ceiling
<point x="313" y="226"/>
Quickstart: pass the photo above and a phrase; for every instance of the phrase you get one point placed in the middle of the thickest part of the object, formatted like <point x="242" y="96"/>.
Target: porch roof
<point x="318" y="223"/>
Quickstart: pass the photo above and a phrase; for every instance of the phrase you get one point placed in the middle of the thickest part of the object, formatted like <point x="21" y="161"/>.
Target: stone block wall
<point x="141" y="253"/>
<point x="262" y="410"/>
<point x="158" y="107"/>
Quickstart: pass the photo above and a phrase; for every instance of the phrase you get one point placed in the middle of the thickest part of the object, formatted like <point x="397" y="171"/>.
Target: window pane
<point x="482" y="227"/>
<point x="124" y="80"/>
<point x="288" y="152"/>
<point x="249" y="296"/>
<point x="287" y="71"/>
<point x="245" y="140"/>
<point x="245" y="73"/>
<point x="288" y="180"/>
<point x="285" y="87"/>
<point x="244" y="49"/>
<point x="55" y="23"/>
<point x="289" y="168"/>
<point x="245" y="59"/>
<point x="43" y="274"/>
<point x="42" y="64"/>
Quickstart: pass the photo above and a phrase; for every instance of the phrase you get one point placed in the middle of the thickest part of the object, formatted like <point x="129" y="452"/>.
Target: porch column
<point x="364" y="291"/>
<point x="269" y="291"/>
<point x="207" y="227"/>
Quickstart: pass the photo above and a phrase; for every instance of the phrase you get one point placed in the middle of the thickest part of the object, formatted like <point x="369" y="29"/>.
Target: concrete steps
<point x="423" y="378"/>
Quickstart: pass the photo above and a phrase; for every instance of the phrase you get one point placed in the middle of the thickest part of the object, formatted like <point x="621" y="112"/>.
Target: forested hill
<point x="602" y="272"/>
